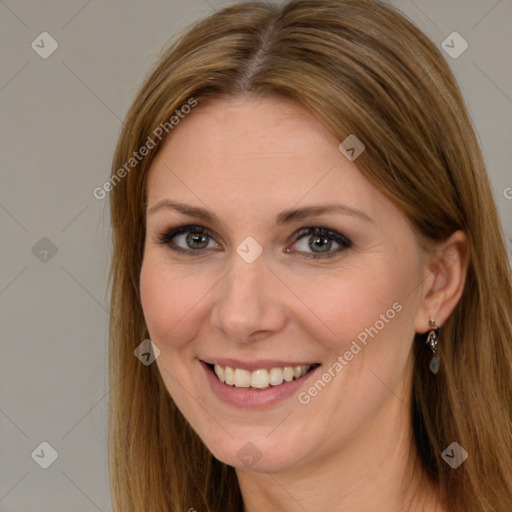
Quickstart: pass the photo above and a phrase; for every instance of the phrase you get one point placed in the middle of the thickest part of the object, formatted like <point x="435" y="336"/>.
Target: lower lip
<point x="253" y="398"/>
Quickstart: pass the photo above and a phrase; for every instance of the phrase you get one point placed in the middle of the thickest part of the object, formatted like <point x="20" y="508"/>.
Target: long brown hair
<point x="361" y="68"/>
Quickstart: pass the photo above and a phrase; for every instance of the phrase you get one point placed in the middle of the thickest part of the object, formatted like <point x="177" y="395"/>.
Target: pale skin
<point x="351" y="446"/>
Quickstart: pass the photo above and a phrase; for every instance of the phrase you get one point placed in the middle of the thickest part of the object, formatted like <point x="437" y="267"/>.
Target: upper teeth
<point x="261" y="378"/>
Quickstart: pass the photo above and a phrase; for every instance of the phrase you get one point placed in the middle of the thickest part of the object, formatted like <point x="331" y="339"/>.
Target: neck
<point x="377" y="469"/>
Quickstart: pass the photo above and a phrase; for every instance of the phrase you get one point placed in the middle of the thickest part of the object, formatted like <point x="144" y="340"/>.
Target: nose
<point x="247" y="306"/>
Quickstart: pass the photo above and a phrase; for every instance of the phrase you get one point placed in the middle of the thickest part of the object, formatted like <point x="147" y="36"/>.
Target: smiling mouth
<point x="263" y="378"/>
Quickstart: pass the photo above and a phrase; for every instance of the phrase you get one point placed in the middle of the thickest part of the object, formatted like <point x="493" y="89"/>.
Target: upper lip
<point x="255" y="364"/>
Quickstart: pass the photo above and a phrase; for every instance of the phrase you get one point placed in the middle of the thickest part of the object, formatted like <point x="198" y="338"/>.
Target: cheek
<point x="167" y="296"/>
<point x="169" y="299"/>
<point x="154" y="299"/>
<point x="175" y="304"/>
<point x="368" y="301"/>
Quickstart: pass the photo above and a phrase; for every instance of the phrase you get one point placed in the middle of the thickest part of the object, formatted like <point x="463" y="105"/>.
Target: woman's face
<point x="247" y="292"/>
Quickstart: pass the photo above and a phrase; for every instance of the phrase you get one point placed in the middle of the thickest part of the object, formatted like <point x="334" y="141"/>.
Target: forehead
<point x="267" y="153"/>
<point x="250" y="129"/>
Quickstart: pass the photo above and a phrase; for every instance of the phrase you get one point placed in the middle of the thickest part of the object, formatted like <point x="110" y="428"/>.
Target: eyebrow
<point x="284" y="217"/>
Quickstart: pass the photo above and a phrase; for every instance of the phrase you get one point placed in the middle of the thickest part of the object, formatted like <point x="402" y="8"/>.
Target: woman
<point x="304" y="229"/>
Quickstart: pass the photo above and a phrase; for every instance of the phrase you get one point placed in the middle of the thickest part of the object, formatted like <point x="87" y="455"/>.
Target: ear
<point x="446" y="271"/>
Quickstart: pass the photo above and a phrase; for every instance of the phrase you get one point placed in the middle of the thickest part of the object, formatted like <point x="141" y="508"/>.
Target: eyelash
<point x="170" y="232"/>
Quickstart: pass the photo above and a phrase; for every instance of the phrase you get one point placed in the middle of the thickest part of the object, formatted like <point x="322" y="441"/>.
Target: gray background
<point x="61" y="117"/>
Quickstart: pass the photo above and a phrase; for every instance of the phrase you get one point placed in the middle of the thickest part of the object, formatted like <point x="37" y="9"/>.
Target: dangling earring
<point x="432" y="341"/>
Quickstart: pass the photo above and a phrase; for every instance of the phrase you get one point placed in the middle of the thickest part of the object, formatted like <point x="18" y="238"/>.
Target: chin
<point x="259" y="455"/>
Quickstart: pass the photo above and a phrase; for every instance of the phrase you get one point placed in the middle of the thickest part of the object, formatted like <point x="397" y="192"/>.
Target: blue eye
<point x="321" y="239"/>
<point x="197" y="238"/>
